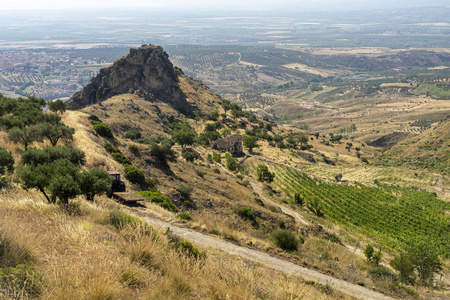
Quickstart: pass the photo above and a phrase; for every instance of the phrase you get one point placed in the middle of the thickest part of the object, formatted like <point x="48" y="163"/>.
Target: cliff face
<point x="146" y="71"/>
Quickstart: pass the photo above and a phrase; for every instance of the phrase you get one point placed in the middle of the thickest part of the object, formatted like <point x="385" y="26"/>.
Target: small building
<point x="306" y="155"/>
<point x="232" y="144"/>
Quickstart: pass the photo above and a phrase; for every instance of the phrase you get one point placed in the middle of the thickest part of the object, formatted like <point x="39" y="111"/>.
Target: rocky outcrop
<point x="146" y="71"/>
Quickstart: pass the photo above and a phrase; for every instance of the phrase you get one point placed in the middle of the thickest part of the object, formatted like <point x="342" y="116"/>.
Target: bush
<point x="184" y="216"/>
<point x="217" y="158"/>
<point x="185" y="190"/>
<point x="168" y="205"/>
<point x="247" y="214"/>
<point x="111" y="149"/>
<point x="187" y="248"/>
<point x="121" y="220"/>
<point x="19" y="279"/>
<point x="285" y="239"/>
<point x="158" y="198"/>
<point x="315" y="206"/>
<point x="3" y="182"/>
<point x="134" y="149"/>
<point x="102" y="129"/>
<point x="134" y="174"/>
<point x="263" y="173"/>
<point x="232" y="164"/>
<point x="299" y="199"/>
<point x="190" y="155"/>
<point x="120" y="158"/>
<point x="162" y="151"/>
<point x="381" y="273"/>
<point x="133" y="135"/>
<point x="402" y="263"/>
<point x="6" y="161"/>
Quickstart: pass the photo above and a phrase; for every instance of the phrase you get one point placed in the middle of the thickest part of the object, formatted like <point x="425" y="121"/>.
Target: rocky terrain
<point x="147" y="72"/>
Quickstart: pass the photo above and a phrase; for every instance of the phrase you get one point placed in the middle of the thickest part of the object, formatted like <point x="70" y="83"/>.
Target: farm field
<point x="391" y="215"/>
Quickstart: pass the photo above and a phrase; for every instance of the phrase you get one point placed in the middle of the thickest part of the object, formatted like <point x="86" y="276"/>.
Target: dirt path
<point x="263" y="258"/>
<point x="287" y="210"/>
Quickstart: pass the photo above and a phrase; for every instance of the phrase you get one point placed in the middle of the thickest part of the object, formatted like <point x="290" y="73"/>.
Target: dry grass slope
<point x="83" y="257"/>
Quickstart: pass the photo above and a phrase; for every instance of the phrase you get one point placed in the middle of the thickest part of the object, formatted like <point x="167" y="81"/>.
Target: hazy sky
<point x="232" y="4"/>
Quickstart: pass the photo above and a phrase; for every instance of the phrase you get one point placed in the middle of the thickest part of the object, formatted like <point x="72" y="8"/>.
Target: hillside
<point x="148" y="73"/>
<point x="430" y="150"/>
<point x="270" y="206"/>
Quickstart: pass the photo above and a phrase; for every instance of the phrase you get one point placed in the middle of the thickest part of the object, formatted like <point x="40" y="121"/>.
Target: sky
<point x="211" y="4"/>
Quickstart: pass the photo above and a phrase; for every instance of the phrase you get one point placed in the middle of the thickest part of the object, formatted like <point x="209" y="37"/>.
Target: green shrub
<point x="217" y="171"/>
<point x="285" y="239"/>
<point x="133" y="148"/>
<point x="102" y="129"/>
<point x="110" y="148"/>
<point x="134" y="174"/>
<point x="14" y="280"/>
<point x="3" y="182"/>
<point x="263" y="174"/>
<point x="133" y="135"/>
<point x="187" y="248"/>
<point x="232" y="164"/>
<point x="185" y="190"/>
<point x="382" y="273"/>
<point x="168" y="206"/>
<point x="299" y="199"/>
<point x="156" y="197"/>
<point x="190" y="155"/>
<point x="247" y="214"/>
<point x="6" y="161"/>
<point x="217" y="158"/>
<point x="184" y="216"/>
<point x="121" y="220"/>
<point x="120" y="158"/>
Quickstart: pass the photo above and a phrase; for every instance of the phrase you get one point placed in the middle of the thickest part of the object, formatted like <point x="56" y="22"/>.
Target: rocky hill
<point x="148" y="73"/>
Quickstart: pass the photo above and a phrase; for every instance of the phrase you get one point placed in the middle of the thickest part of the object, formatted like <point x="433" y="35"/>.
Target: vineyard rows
<point x="394" y="216"/>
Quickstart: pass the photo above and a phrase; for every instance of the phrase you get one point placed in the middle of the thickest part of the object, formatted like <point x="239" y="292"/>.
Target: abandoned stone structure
<point x="306" y="155"/>
<point x="232" y="144"/>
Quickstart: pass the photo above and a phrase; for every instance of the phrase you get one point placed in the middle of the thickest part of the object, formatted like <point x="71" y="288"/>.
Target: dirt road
<point x="263" y="258"/>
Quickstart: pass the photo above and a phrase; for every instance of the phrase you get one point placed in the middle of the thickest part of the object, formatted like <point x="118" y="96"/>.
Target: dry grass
<point x="87" y="140"/>
<point x="82" y="257"/>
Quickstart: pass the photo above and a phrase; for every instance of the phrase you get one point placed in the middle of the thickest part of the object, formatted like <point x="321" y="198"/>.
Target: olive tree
<point x="263" y="174"/>
<point x="6" y="161"/>
<point x="94" y="182"/>
<point x="57" y="106"/>
<point x="250" y="142"/>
